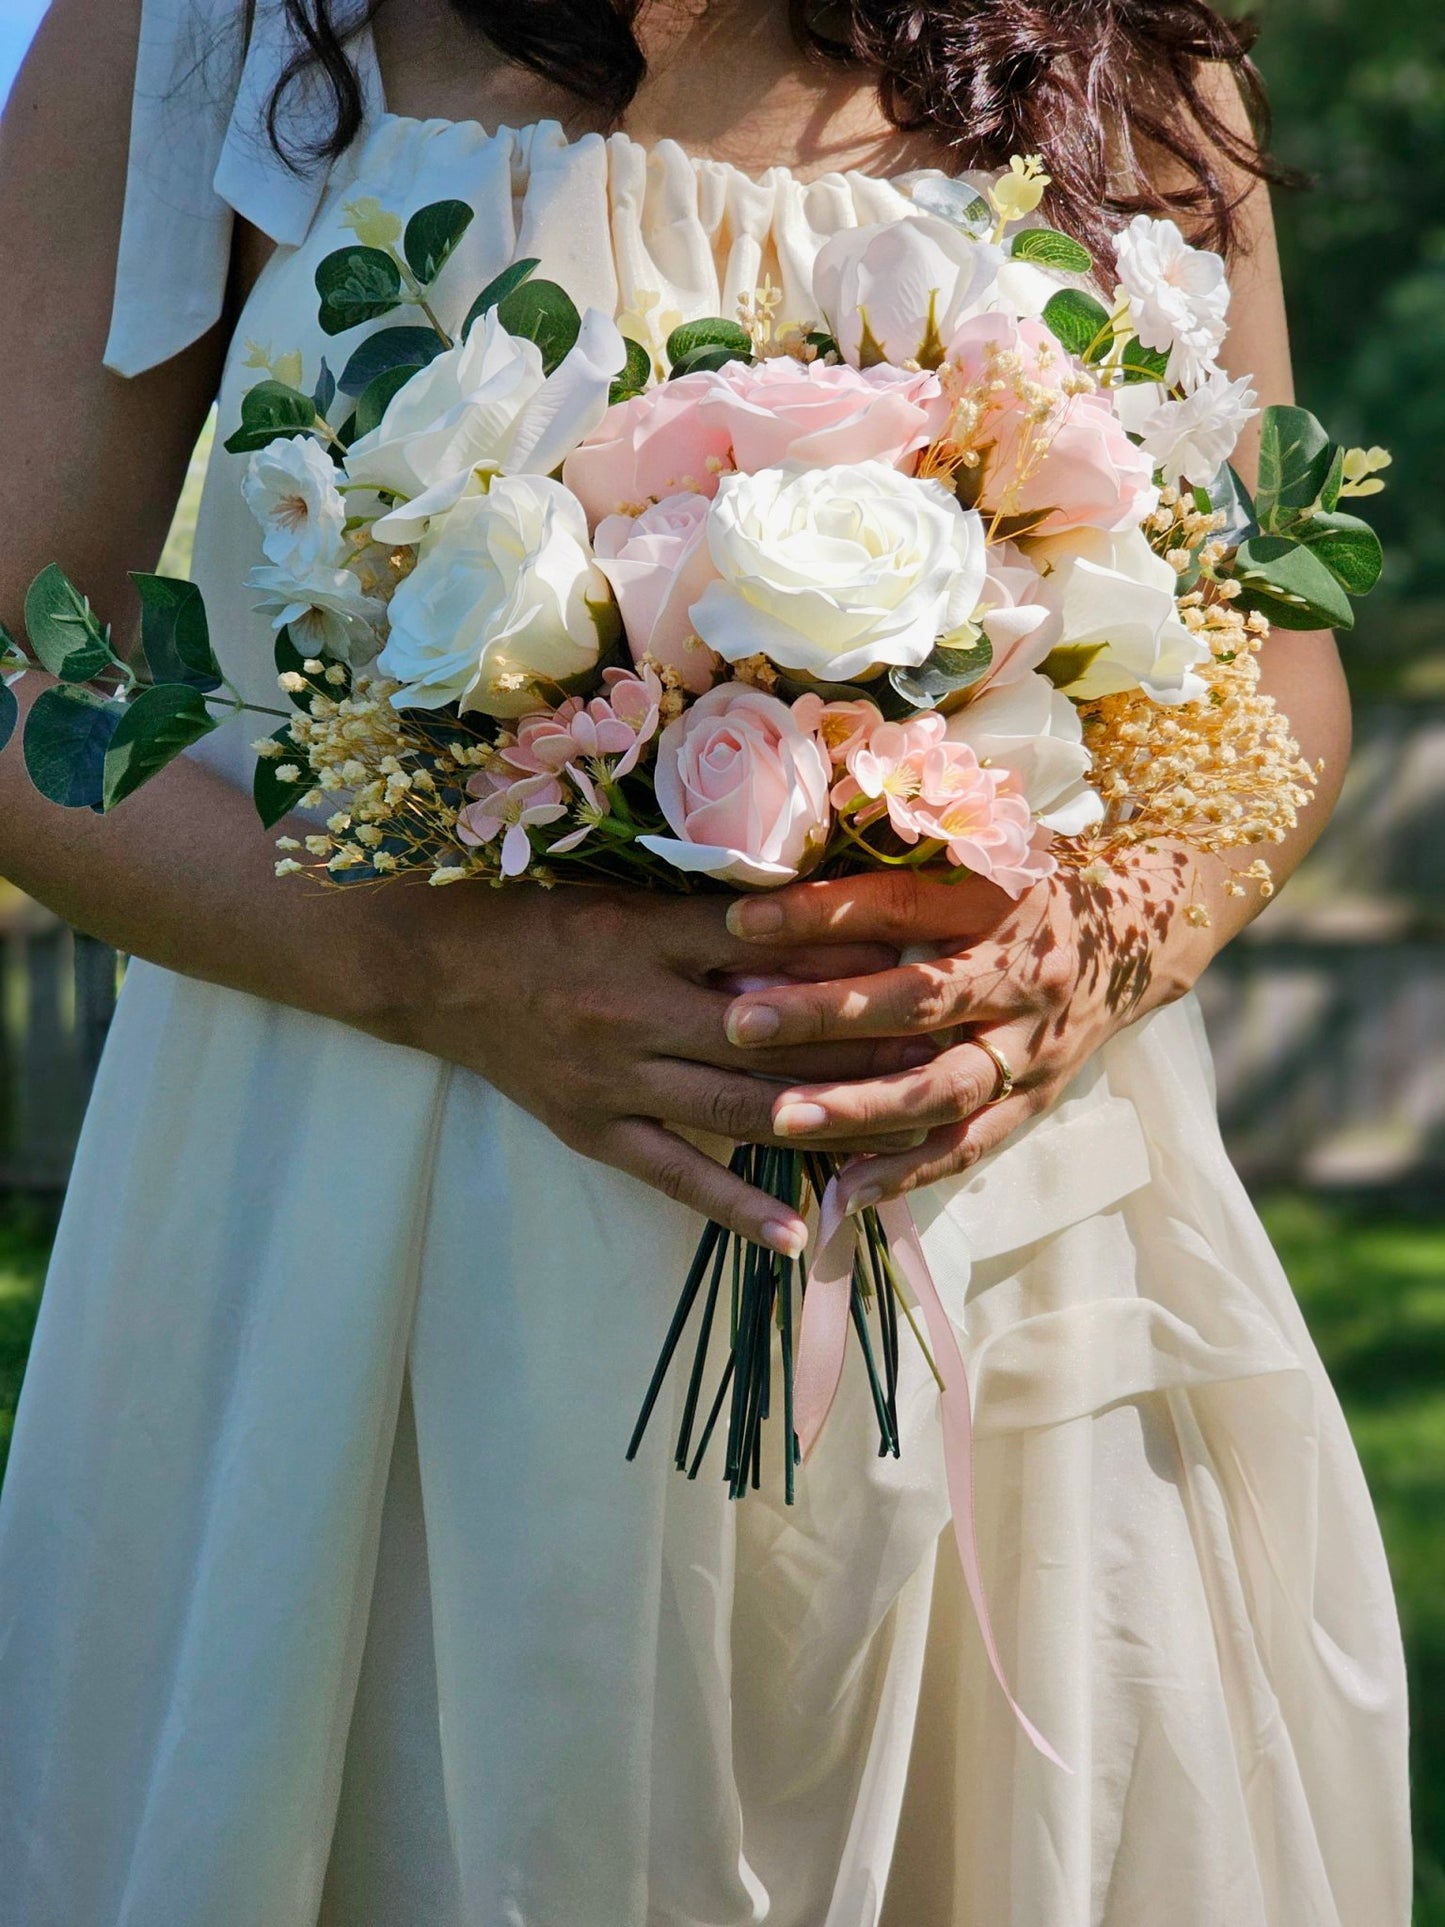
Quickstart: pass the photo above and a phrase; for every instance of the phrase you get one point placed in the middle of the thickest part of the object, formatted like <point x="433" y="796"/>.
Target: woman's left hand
<point x="1045" y="979"/>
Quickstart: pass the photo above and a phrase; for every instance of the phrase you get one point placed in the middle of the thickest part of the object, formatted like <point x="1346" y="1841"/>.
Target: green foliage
<point x="155" y="726"/>
<point x="175" y="635"/>
<point x="431" y="235"/>
<point x="496" y="290"/>
<point x="67" y="734"/>
<point x="1142" y="364"/>
<point x="273" y="797"/>
<point x="636" y="373"/>
<point x="290" y="662"/>
<point x="356" y="284"/>
<point x="1050" y="249"/>
<point x="540" y="311"/>
<point x="708" y="343"/>
<point x="66" y="635"/>
<point x="9" y="713"/>
<point x="947" y="673"/>
<point x="378" y="396"/>
<point x="269" y="410"/>
<point x="388" y="348"/>
<point x="1079" y="321"/>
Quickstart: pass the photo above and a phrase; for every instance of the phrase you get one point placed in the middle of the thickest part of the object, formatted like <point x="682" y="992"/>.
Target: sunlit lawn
<point x="1373" y="1288"/>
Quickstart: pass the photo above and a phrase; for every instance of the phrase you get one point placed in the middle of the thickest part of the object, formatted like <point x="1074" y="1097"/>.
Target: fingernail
<point x="793" y="1119"/>
<point x="754" y="917"/>
<point x="788" y="1239"/>
<point x="863" y="1197"/>
<point x="752" y="1023"/>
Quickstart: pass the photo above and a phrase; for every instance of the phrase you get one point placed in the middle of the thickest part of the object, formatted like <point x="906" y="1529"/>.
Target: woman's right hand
<point x="601" y="1012"/>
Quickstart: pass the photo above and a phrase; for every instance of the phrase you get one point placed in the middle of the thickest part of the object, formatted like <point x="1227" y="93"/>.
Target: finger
<point x="813" y="963"/>
<point x="689" y="1024"/>
<point x="694" y="938"/>
<point x="911" y="1000"/>
<point x="947" y="1152"/>
<point x="957" y="1083"/>
<point x="895" y="907"/>
<point x="671" y="1165"/>
<point x="732" y="1105"/>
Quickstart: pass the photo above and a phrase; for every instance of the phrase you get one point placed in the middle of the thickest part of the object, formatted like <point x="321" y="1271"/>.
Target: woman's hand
<point x="601" y="1013"/>
<point x="1045" y="980"/>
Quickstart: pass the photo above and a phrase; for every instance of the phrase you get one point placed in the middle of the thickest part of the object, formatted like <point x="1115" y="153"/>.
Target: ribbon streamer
<point x="822" y="1345"/>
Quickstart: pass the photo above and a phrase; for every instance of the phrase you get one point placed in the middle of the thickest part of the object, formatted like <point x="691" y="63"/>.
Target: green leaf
<point x="1290" y="585"/>
<point x="1334" y="480"/>
<point x="375" y="401"/>
<point x="324" y="393"/>
<point x="1079" y="321"/>
<point x="636" y="373"/>
<point x="65" y="634"/>
<point x="431" y="235"/>
<point x="1295" y="460"/>
<point x="540" y="311"/>
<point x="289" y="661"/>
<point x="1051" y="250"/>
<point x="496" y="290"/>
<point x="67" y="734"/>
<point x="824" y="343"/>
<point x="1228" y="494"/>
<point x="1069" y="663"/>
<point x="174" y="632"/>
<point x="1348" y="547"/>
<point x="704" y="358"/>
<point x="9" y="713"/>
<point x="1142" y="364"/>
<point x="712" y="332"/>
<point x="388" y="348"/>
<point x="356" y="284"/>
<point x="154" y="728"/>
<point x="273" y="798"/>
<point x="268" y="411"/>
<point x="945" y="674"/>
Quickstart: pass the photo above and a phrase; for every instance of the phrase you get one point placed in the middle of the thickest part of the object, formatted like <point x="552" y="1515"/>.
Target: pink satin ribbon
<point x="822" y="1346"/>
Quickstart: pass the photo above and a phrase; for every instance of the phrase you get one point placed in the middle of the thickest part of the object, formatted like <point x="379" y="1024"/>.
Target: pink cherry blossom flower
<point x="509" y="806"/>
<point x="618" y="724"/>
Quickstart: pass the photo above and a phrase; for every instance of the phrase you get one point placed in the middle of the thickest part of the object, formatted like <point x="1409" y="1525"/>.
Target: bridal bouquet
<point x="949" y="571"/>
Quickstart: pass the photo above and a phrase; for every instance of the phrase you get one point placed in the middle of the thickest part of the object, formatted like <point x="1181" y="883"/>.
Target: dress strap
<point x="199" y="154"/>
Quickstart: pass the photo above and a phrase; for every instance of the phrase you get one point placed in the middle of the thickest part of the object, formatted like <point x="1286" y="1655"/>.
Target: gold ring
<point x="1002" y="1066"/>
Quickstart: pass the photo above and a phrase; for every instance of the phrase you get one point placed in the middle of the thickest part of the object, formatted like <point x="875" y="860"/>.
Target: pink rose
<point x="1069" y="466"/>
<point x="657" y="444"/>
<point x="782" y="410"/>
<point x="744" y="789"/>
<point x="658" y="564"/>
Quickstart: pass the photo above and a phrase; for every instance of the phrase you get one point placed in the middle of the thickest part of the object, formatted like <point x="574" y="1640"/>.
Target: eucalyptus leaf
<point x="270" y="410"/>
<point x="431" y="236"/>
<point x="154" y="728"/>
<point x="703" y="359"/>
<point x="496" y="290"/>
<point x="378" y="397"/>
<point x="1079" y="321"/>
<point x="1286" y="582"/>
<point x="711" y="332"/>
<point x="67" y="734"/>
<point x="1295" y="460"/>
<point x="821" y="342"/>
<point x="947" y="673"/>
<point x="174" y="633"/>
<point x="388" y="348"/>
<point x="1139" y="363"/>
<point x="1051" y="250"/>
<point x="1348" y="547"/>
<point x="636" y="373"/>
<point x="540" y="311"/>
<point x="324" y="393"/>
<point x="9" y="713"/>
<point x="66" y="635"/>
<point x="1227" y="494"/>
<point x="356" y="284"/>
<point x="1333" y="482"/>
<point x="273" y="798"/>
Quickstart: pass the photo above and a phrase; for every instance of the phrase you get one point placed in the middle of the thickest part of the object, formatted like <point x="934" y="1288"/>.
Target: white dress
<point x="325" y="1593"/>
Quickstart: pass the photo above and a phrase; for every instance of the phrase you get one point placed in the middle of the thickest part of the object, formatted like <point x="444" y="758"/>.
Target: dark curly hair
<point x="1104" y="89"/>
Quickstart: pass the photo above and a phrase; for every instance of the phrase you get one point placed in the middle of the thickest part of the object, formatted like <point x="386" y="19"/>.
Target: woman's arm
<point x="1048" y="979"/>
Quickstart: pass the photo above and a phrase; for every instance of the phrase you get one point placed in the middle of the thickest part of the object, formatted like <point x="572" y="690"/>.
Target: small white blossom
<point x="1178" y="296"/>
<point x="325" y="609"/>
<point x="1190" y="439"/>
<point x="290" y="488"/>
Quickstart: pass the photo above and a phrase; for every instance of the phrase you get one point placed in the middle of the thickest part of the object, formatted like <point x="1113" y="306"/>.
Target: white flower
<point x="1030" y="728"/>
<point x="1178" y="296"/>
<point x="326" y="610"/>
<point x="505" y="597"/>
<point x="896" y="290"/>
<point x="290" y="488"/>
<point x="1112" y="600"/>
<point x="837" y="571"/>
<point x="481" y="408"/>
<point x="1190" y="439"/>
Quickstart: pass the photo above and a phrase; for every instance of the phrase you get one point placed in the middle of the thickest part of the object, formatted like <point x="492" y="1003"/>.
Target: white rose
<point x="1178" y="296"/>
<point x="483" y="407"/>
<point x="896" y="290"/>
<point x="504" y="600"/>
<point x="1111" y="595"/>
<point x="837" y="571"/>
<point x="326" y="610"/>
<point x="1029" y="728"/>
<point x="1189" y="440"/>
<point x="290" y="488"/>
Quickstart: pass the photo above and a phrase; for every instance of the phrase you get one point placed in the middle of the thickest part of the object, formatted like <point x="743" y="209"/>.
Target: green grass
<point x="1373" y="1288"/>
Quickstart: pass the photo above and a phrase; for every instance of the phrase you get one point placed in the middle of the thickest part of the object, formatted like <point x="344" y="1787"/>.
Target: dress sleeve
<point x="200" y="154"/>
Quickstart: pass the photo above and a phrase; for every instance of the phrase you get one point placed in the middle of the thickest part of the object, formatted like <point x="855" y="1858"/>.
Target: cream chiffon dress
<point x="325" y="1593"/>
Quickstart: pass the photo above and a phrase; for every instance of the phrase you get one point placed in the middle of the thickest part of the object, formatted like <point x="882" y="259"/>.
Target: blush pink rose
<point x="744" y="788"/>
<point x="782" y="410"/>
<point x="654" y="445"/>
<point x="1088" y="475"/>
<point x="659" y="564"/>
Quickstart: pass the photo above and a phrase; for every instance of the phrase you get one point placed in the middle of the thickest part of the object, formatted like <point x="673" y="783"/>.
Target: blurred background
<point x="1328" y="1017"/>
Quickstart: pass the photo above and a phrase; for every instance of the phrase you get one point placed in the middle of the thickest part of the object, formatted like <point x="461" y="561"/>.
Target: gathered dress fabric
<point x="326" y="1595"/>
